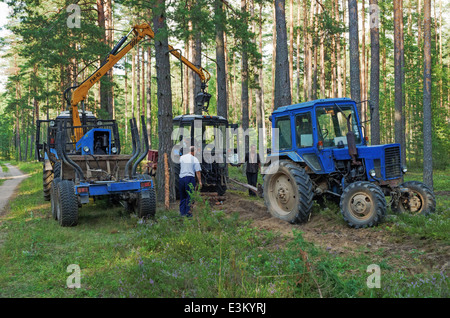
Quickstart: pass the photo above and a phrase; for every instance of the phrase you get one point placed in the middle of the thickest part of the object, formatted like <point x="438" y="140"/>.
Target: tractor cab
<point x="208" y="134"/>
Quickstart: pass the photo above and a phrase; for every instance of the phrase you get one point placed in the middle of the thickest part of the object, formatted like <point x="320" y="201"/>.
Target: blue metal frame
<point x="98" y="189"/>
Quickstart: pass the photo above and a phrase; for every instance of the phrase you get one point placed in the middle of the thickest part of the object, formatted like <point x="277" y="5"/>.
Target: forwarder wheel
<point x="67" y="203"/>
<point x="419" y="199"/>
<point x="363" y="204"/>
<point x="146" y="207"/>
<point x="47" y="179"/>
<point x="53" y="197"/>
<point x="288" y="193"/>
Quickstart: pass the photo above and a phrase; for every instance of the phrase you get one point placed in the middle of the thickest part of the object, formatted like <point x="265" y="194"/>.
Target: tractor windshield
<point x="333" y="128"/>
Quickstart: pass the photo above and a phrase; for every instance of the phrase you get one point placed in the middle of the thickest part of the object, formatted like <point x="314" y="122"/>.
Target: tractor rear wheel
<point x="363" y="204"/>
<point x="288" y="193"/>
<point x="419" y="199"/>
<point x="53" y="197"/>
<point x="67" y="203"/>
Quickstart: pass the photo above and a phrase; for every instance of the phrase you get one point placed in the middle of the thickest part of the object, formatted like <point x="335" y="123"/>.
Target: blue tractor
<point x="319" y="150"/>
<point x="93" y="166"/>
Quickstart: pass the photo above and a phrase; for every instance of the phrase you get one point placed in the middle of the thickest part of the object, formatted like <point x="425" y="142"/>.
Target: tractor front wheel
<point x="418" y="200"/>
<point x="363" y="204"/>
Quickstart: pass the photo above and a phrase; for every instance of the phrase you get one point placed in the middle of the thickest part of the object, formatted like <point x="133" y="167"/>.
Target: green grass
<point x="210" y="255"/>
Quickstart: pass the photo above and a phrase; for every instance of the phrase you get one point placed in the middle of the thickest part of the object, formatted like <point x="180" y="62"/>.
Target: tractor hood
<point x="384" y="159"/>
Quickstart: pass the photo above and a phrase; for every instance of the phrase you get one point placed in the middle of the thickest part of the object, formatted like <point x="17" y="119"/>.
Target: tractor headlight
<point x="86" y="149"/>
<point x="404" y="169"/>
<point x="52" y="123"/>
<point x="372" y="173"/>
<point x="114" y="150"/>
<point x="99" y="123"/>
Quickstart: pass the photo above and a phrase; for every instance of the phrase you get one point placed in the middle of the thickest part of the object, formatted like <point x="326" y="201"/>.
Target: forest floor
<point x="329" y="231"/>
<point x="233" y="249"/>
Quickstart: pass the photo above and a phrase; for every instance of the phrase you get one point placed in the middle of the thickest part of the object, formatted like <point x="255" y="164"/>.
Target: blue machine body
<point x="95" y="141"/>
<point x="384" y="159"/>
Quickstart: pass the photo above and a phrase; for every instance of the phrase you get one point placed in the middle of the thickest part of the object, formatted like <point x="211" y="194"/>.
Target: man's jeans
<point x="185" y="197"/>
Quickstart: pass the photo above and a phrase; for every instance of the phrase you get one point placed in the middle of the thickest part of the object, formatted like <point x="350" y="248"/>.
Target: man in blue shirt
<point x="189" y="169"/>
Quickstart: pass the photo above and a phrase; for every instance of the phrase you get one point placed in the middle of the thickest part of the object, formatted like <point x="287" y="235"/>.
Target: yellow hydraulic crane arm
<point x="140" y="31"/>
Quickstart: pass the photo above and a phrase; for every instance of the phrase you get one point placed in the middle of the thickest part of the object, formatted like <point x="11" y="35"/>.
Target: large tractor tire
<point x="146" y="207"/>
<point x="363" y="204"/>
<point x="54" y="198"/>
<point x="419" y="200"/>
<point x="288" y="193"/>
<point x="47" y="179"/>
<point x="67" y="203"/>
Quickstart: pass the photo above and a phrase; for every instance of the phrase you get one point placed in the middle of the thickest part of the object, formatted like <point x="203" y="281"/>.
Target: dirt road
<point x="13" y="177"/>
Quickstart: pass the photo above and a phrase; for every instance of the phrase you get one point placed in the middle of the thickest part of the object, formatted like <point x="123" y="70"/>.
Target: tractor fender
<point x="289" y="154"/>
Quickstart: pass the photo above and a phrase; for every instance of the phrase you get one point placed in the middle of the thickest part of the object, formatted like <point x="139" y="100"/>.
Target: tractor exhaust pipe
<point x="145" y="146"/>
<point x="136" y="147"/>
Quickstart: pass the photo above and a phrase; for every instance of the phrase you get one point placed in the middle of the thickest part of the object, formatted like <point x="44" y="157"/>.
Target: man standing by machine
<point x="189" y="169"/>
<point x="253" y="164"/>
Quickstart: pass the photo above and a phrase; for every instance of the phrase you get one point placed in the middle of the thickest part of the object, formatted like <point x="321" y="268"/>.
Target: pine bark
<point x="220" y="59"/>
<point x="427" y="114"/>
<point x="375" y="72"/>
<point x="164" y="95"/>
<point x="355" y="88"/>
<point x="399" y="130"/>
<point x="282" y="82"/>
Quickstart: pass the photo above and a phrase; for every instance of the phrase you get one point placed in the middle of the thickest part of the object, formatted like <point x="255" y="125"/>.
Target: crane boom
<point x="140" y="31"/>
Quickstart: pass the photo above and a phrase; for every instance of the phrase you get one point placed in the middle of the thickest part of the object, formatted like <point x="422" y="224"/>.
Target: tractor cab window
<point x="284" y="132"/>
<point x="303" y="130"/>
<point x="333" y="127"/>
<point x="214" y="135"/>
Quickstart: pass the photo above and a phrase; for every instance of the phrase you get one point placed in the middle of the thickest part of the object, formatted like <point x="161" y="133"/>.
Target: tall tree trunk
<point x="138" y="86"/>
<point x="244" y="79"/>
<point x="355" y="88"/>
<point x="375" y="72"/>
<point x="314" y="54"/>
<point x="220" y="59"/>
<point x="126" y="101"/>
<point x="338" y="52"/>
<point x="398" y="76"/>
<point x="282" y="83"/>
<point x="322" y="59"/>
<point x="427" y="114"/>
<point x="164" y="95"/>
<point x="274" y="51"/>
<point x="299" y="22"/>
<point x="344" y="59"/>
<point x="306" y="53"/>
<point x="262" y="124"/>
<point x="291" y="45"/>
<point x="149" y="95"/>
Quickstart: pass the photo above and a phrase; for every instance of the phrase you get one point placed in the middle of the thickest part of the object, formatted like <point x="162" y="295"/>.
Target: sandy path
<point x="13" y="178"/>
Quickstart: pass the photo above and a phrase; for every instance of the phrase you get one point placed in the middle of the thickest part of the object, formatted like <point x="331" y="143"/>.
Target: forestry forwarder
<point x="81" y="155"/>
<point x="322" y="152"/>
